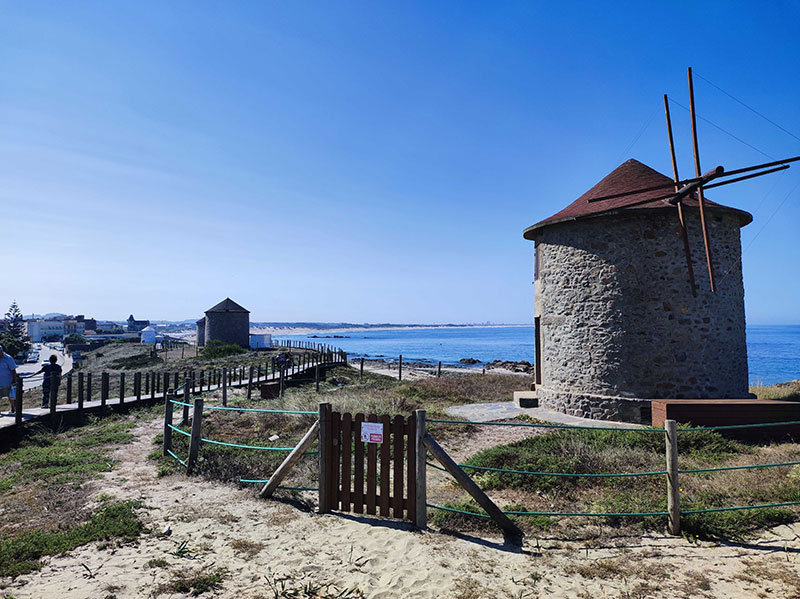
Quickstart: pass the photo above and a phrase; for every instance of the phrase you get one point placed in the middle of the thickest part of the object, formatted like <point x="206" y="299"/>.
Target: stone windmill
<point x="616" y="324"/>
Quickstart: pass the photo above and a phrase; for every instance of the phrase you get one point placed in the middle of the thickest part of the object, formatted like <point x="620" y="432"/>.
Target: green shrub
<point x="216" y="349"/>
<point x="20" y="554"/>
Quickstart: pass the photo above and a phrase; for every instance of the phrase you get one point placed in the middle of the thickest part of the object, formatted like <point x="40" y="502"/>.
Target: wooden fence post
<point x="187" y="398"/>
<point x="324" y="432"/>
<point x="400" y="368"/>
<point x="104" y="390"/>
<point x="121" y="389"/>
<point x="224" y="386"/>
<point x="250" y="384"/>
<point x="88" y="386"/>
<point x="673" y="488"/>
<point x="18" y="402"/>
<point x="153" y="379"/>
<point x="439" y="370"/>
<point x="69" y="388"/>
<point x="362" y="368"/>
<point x="168" y="397"/>
<point x="137" y="385"/>
<point x="421" y="492"/>
<point x="194" y="440"/>
<point x="283" y="375"/>
<point x="146" y="384"/>
<point x="316" y="376"/>
<point x="166" y="384"/>
<point x="81" y="389"/>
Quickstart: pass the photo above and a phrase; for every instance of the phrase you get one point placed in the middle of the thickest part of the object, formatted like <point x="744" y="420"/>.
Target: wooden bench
<point x="725" y="412"/>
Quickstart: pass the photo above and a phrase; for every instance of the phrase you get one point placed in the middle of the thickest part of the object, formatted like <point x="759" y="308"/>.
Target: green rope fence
<point x="537" y="425"/>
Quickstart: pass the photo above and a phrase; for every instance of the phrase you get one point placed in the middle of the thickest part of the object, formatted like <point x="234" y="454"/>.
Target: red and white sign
<point x="372" y="432"/>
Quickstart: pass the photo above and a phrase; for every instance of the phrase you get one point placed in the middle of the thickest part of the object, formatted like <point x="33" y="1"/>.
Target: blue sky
<point x="363" y="162"/>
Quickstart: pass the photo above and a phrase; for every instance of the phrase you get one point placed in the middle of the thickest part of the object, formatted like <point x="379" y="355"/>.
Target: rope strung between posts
<point x="740" y="507"/>
<point x="537" y="425"/>
<point x="750" y="467"/>
<point x="265" y="481"/>
<point x="618" y="429"/>
<point x="567" y="474"/>
<point x="213" y="442"/>
<point x="170" y="452"/>
<point x="176" y="429"/>
<point x="263" y="411"/>
<point x="517" y="513"/>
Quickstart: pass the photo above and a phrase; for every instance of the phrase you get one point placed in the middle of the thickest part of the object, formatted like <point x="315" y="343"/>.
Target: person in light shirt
<point x="8" y="376"/>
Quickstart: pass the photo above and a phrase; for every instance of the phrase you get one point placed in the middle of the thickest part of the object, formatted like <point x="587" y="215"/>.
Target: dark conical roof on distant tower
<point x="628" y="176"/>
<point x="227" y="305"/>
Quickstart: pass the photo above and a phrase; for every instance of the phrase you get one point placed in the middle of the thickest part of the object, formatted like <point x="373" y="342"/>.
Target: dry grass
<point x="788" y="390"/>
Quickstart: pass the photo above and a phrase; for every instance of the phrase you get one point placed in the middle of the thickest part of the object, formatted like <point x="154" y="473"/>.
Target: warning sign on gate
<point x="372" y="432"/>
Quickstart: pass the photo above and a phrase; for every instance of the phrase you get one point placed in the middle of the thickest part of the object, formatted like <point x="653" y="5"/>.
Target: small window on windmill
<point x="536" y="261"/>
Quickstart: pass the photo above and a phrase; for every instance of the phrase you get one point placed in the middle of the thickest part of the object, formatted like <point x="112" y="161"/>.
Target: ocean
<point x="773" y="351"/>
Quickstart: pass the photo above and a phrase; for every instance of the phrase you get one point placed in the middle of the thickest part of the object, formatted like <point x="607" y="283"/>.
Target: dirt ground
<point x="278" y="548"/>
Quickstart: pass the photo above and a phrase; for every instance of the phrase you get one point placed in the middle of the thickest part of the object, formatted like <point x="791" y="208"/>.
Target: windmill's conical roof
<point x="227" y="305"/>
<point x="628" y="176"/>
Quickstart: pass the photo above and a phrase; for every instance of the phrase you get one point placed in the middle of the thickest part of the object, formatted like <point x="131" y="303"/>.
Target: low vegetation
<point x="216" y="349"/>
<point x="543" y="450"/>
<point x="43" y="493"/>
<point x="592" y="452"/>
<point x="21" y="553"/>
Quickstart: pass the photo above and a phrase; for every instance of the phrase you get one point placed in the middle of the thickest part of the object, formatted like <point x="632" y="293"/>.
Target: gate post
<point x="421" y="502"/>
<point x="324" y="455"/>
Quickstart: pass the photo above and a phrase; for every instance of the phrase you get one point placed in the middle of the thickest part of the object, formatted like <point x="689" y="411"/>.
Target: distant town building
<point x="106" y="326"/>
<point x="134" y="326"/>
<point x="89" y="324"/>
<point x="73" y="327"/>
<point x="260" y="341"/>
<point x="148" y="335"/>
<point x="40" y="329"/>
<point x="227" y="322"/>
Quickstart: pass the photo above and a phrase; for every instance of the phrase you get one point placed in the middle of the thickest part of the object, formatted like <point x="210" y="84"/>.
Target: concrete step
<point x="526" y="399"/>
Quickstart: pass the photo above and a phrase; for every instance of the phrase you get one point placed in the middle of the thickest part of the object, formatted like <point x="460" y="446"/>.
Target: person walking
<point x="49" y="369"/>
<point x="8" y="376"/>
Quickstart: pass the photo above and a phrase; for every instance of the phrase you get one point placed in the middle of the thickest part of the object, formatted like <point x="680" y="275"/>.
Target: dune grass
<point x="586" y="451"/>
<point x="21" y="553"/>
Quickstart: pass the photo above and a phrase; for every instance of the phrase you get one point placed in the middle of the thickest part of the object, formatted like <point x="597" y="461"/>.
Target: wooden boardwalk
<point x="30" y="415"/>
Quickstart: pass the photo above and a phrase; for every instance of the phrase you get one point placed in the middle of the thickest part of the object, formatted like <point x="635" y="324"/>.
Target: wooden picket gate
<point x="372" y="478"/>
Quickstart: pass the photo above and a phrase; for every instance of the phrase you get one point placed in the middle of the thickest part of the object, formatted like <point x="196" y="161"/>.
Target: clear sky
<point x="364" y="161"/>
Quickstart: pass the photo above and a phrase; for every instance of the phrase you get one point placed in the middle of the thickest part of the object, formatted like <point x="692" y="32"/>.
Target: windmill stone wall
<point x="618" y="323"/>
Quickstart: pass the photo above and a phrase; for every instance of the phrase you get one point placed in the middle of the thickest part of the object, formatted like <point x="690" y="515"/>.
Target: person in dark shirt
<point x="48" y="370"/>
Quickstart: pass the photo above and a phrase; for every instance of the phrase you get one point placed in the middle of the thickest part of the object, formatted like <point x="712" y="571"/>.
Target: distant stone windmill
<point x="615" y="323"/>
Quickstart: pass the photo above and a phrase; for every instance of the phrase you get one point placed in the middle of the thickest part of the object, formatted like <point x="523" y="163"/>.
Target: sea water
<point x="773" y="351"/>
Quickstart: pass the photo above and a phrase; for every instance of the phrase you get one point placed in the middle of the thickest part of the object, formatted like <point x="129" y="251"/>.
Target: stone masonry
<point x="619" y="325"/>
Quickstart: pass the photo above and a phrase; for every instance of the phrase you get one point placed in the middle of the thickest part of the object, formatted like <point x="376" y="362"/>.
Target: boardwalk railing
<point x="87" y="391"/>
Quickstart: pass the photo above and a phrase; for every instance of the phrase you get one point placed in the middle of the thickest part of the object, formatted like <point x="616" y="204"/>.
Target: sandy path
<point x="220" y="523"/>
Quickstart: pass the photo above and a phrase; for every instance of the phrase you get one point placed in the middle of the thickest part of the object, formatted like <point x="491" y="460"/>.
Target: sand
<point x="272" y="549"/>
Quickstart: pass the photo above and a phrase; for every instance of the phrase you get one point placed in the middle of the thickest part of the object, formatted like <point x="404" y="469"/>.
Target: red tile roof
<point x="628" y="176"/>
